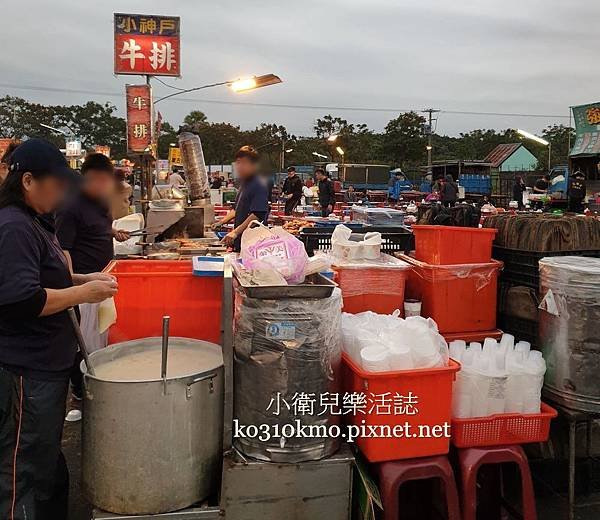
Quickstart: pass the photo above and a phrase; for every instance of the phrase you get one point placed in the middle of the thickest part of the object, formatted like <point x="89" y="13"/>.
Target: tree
<point x="403" y="140"/>
<point x="330" y="125"/>
<point x="195" y="118"/>
<point x="560" y="137"/>
<point x="93" y="123"/>
<point x="168" y="135"/>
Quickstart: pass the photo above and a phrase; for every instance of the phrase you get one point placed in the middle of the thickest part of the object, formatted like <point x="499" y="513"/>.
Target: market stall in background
<point x="394" y="335"/>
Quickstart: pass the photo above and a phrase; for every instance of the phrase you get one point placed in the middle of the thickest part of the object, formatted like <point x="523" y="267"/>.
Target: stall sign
<point x="104" y="150"/>
<point x="73" y="148"/>
<point x="587" y="130"/>
<point x="139" y="118"/>
<point x="147" y="44"/>
<point x="175" y="156"/>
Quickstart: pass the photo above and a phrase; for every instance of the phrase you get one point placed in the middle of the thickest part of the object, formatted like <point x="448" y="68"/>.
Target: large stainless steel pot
<point x="147" y="451"/>
<point x="569" y="331"/>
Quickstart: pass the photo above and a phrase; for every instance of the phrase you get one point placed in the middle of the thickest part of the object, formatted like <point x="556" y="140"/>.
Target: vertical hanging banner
<point x="139" y="118"/>
<point x="147" y="44"/>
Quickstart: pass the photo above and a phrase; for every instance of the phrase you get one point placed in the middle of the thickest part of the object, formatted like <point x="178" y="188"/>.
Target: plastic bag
<point x="264" y="248"/>
<point x="345" y="246"/>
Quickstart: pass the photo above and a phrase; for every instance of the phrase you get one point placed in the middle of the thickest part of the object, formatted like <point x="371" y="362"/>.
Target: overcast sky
<point x="509" y="56"/>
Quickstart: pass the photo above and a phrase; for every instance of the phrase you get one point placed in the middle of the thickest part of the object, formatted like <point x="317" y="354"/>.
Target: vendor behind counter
<point x="252" y="202"/>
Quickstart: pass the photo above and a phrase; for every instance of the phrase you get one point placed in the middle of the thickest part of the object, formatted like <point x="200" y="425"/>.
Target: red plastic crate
<point x="446" y="245"/>
<point x="433" y="389"/>
<point x="460" y="298"/>
<point x="151" y="289"/>
<point x="503" y="429"/>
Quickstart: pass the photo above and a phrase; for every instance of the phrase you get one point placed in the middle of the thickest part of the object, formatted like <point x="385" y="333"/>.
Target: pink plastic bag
<point x="264" y="248"/>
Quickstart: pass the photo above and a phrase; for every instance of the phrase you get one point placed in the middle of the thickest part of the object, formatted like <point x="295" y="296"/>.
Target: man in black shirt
<point x="326" y="193"/>
<point x="85" y="232"/>
<point x="577" y="192"/>
<point x="292" y="189"/>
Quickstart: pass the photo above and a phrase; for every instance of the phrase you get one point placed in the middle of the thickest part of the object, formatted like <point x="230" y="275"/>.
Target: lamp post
<point x="533" y="137"/>
<point x="237" y="85"/>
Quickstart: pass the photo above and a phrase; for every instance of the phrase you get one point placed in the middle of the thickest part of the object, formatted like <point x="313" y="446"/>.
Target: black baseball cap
<point x="40" y="157"/>
<point x="291" y="169"/>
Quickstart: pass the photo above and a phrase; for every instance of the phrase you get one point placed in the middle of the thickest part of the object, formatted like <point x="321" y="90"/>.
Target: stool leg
<point x="571" y="499"/>
<point x="451" y="498"/>
<point x="469" y="491"/>
<point x="527" y="494"/>
<point x="389" y="498"/>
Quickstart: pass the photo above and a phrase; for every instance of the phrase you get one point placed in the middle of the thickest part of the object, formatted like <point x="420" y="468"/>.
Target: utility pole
<point x="430" y="112"/>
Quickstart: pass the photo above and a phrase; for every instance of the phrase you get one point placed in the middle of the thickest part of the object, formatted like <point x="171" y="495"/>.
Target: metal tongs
<point x="80" y="340"/>
<point x="165" y="351"/>
<point x="139" y="232"/>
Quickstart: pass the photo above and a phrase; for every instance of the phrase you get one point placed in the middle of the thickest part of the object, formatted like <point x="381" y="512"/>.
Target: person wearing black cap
<point x="85" y="232"/>
<point x="292" y="190"/>
<point x="37" y="340"/>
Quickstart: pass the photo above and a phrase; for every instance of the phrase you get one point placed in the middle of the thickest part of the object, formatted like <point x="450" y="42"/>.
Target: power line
<point x="284" y="105"/>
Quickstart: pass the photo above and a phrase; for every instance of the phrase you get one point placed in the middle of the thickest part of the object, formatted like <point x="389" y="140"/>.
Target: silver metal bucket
<point x="569" y="330"/>
<point x="147" y="451"/>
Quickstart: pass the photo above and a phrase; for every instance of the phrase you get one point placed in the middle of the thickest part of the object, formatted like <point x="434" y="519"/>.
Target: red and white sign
<point x="147" y="44"/>
<point x="139" y="118"/>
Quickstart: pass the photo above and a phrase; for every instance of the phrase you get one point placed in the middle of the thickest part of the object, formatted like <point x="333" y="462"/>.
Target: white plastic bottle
<point x="534" y="368"/>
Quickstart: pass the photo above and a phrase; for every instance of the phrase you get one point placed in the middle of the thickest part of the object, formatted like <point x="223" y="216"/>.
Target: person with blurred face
<point x="252" y="202"/>
<point x="85" y="232"/>
<point x="37" y="340"/>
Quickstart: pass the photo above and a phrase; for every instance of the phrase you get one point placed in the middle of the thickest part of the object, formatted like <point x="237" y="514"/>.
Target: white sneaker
<point x="73" y="416"/>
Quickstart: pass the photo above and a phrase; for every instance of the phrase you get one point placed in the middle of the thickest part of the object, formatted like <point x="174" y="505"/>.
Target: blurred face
<point x="245" y="167"/>
<point x="44" y="194"/>
<point x="291" y="174"/>
<point x="99" y="185"/>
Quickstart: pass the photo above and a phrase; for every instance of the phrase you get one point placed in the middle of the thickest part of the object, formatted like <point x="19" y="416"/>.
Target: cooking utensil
<point x="139" y="232"/>
<point x="165" y="351"/>
<point x="80" y="340"/>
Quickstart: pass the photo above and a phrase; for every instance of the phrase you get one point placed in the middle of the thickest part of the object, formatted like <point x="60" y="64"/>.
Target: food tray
<point x="315" y="286"/>
<point x="503" y="429"/>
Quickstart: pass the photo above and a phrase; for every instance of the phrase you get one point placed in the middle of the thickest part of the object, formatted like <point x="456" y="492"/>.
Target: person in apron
<point x="37" y="339"/>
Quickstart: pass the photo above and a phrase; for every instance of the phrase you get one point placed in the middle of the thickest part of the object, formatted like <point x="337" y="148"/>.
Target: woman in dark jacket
<point x="37" y="340"/>
<point x="449" y="191"/>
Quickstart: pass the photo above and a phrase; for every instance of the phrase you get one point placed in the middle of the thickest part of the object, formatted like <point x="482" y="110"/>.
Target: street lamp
<point x="317" y="154"/>
<point x="339" y="150"/>
<point x="539" y="140"/>
<point x="237" y="85"/>
<point x="332" y="138"/>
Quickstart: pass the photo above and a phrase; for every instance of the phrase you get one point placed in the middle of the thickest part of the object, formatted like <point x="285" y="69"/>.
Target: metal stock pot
<point x="152" y="446"/>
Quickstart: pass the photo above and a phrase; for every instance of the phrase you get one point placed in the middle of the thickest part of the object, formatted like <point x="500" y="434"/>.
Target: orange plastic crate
<point x="433" y="389"/>
<point x="460" y="298"/>
<point x="444" y="245"/>
<point x="503" y="429"/>
<point x="379" y="290"/>
<point x="151" y="289"/>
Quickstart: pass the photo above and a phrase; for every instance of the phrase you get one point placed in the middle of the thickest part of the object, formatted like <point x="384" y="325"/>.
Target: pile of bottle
<point x="497" y="377"/>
